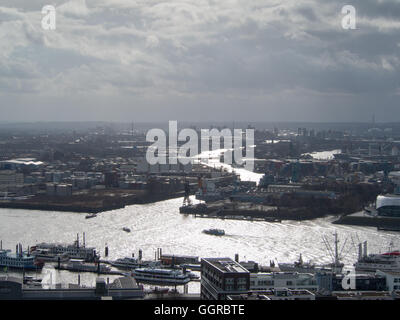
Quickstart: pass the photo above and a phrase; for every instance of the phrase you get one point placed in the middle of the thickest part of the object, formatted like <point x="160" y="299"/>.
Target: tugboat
<point x="215" y="232"/>
<point x="93" y="215"/>
<point x="126" y="229"/>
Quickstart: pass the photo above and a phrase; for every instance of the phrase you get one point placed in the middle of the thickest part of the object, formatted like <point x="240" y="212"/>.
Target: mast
<point x="336" y="250"/>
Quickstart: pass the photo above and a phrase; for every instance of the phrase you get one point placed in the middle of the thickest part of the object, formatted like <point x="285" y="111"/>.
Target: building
<point x="60" y="190"/>
<point x="21" y="163"/>
<point x="290" y="280"/>
<point x="12" y="288"/>
<point x="64" y="190"/>
<point x="392" y="280"/>
<point x="11" y="177"/>
<point x="364" y="295"/>
<point x="275" y="294"/>
<point x="388" y="205"/>
<point x="364" y="282"/>
<point x="221" y="277"/>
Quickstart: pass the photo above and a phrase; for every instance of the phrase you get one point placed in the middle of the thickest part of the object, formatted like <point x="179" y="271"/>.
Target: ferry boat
<point x="73" y="251"/>
<point x="19" y="260"/>
<point x="215" y="232"/>
<point x="161" y="276"/>
<point x="80" y="265"/>
<point x="47" y="256"/>
<point x="132" y="263"/>
<point x="389" y="261"/>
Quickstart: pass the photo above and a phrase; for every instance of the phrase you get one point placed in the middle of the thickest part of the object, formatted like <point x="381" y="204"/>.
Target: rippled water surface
<point x="160" y="225"/>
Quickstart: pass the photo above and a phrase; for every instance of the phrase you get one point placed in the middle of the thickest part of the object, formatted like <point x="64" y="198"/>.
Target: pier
<point x="215" y="215"/>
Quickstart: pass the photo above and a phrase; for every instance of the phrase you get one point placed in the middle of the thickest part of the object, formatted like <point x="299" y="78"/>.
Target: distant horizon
<point x="199" y="121"/>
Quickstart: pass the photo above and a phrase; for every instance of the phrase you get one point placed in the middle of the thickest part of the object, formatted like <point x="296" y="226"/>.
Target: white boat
<point x="80" y="265"/>
<point x="132" y="263"/>
<point x="47" y="256"/>
<point x="161" y="276"/>
<point x="389" y="261"/>
<point x="73" y="251"/>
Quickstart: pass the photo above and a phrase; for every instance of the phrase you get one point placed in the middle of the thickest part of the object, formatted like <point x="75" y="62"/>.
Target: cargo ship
<point x="307" y="267"/>
<point x="73" y="251"/>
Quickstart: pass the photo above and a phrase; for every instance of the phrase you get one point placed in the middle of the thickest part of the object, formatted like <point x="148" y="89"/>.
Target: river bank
<point x="90" y="203"/>
<point x="359" y="219"/>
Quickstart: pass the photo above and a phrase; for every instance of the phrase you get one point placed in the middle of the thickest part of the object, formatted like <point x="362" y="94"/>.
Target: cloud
<point x="169" y="58"/>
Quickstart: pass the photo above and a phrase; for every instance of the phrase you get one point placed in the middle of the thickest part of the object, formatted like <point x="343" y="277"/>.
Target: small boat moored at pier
<point x="161" y="276"/>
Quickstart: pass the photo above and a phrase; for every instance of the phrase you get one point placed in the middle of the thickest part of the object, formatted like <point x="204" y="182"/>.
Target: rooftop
<point x="226" y="265"/>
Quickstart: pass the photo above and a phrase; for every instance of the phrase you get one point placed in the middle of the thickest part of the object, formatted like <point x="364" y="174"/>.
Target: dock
<point x="218" y="215"/>
<point x="73" y="269"/>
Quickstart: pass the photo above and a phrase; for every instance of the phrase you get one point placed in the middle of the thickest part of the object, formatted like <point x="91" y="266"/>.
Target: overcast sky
<point x="153" y="60"/>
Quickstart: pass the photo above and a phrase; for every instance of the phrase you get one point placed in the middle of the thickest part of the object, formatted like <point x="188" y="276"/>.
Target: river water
<point x="160" y="225"/>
